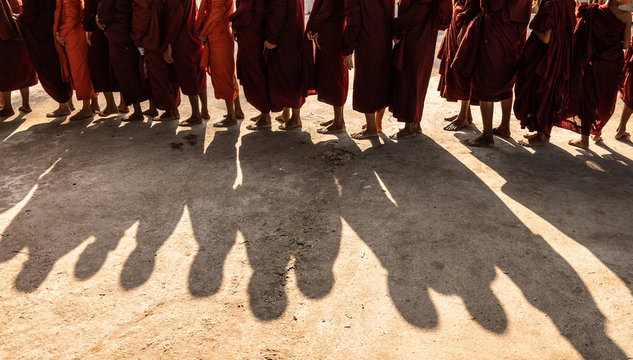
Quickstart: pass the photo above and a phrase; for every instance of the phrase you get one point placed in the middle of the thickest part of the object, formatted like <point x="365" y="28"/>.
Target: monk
<point x="101" y="72"/>
<point x="16" y="69"/>
<point x="453" y="86"/>
<point x="368" y="40"/>
<point x="415" y="33"/>
<point x="601" y="34"/>
<point x="324" y="30"/>
<point x="213" y="29"/>
<point x="115" y="18"/>
<point x="543" y="77"/>
<point x="148" y="35"/>
<point x="489" y="55"/>
<point x="626" y="94"/>
<point x="72" y="49"/>
<point x="36" y="23"/>
<point x="182" y="48"/>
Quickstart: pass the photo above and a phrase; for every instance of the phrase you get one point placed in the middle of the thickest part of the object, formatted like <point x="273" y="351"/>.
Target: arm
<point x="141" y="17"/>
<point x="275" y="20"/>
<point x="543" y="22"/>
<point x="352" y="28"/>
<point x="176" y="13"/>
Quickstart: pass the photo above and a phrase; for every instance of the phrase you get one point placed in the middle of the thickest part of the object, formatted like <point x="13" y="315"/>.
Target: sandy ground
<point x="150" y="241"/>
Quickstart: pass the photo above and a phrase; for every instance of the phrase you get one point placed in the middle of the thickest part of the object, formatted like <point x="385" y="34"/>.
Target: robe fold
<point x="248" y="25"/>
<point x="491" y="49"/>
<point x="368" y="36"/>
<point x="597" y="70"/>
<point x="453" y="86"/>
<point x="36" y="23"/>
<point x="116" y="15"/>
<point x="186" y="48"/>
<point x="148" y="32"/>
<point x="217" y="59"/>
<point x="101" y="72"/>
<point x="543" y="76"/>
<point x="284" y="24"/>
<point x="626" y="91"/>
<point x="329" y="77"/>
<point x="73" y="55"/>
<point x="416" y="27"/>
<point x="16" y="68"/>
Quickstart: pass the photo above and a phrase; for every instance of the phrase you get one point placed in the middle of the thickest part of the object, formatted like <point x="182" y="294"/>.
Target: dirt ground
<point x="144" y="240"/>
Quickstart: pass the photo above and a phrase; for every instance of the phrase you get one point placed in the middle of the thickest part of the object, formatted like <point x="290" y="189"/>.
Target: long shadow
<point x="434" y="225"/>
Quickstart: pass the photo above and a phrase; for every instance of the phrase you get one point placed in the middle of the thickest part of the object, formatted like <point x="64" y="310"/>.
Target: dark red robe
<point x="543" y="76"/>
<point x="186" y="48"/>
<point x="491" y="49"/>
<point x="16" y="69"/>
<point x="248" y="26"/>
<point x="416" y="27"/>
<point x="36" y="23"/>
<point x="284" y="24"/>
<point x="330" y="76"/>
<point x="597" y="70"/>
<point x="368" y="34"/>
<point x="626" y="91"/>
<point x="101" y="72"/>
<point x="453" y="86"/>
<point x="116" y="15"/>
<point x="148" y="27"/>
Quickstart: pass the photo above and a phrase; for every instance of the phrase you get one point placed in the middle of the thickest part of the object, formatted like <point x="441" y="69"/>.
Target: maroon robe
<point x="597" y="70"/>
<point x="116" y="15"/>
<point x="36" y="23"/>
<point x="453" y="86"/>
<point x="284" y="24"/>
<point x="368" y="34"/>
<point x="248" y="27"/>
<point x="416" y="27"/>
<point x="330" y="76"/>
<point x="16" y="69"/>
<point x="491" y="49"/>
<point x="186" y="48"/>
<point x="147" y="26"/>
<point x="626" y="91"/>
<point x="101" y="72"/>
<point x="543" y="77"/>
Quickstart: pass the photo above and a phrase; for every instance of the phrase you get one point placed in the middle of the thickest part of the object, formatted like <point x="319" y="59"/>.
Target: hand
<point x="396" y="41"/>
<point x="348" y="61"/>
<point x="89" y="37"/>
<point x="460" y="36"/>
<point x="60" y="39"/>
<point x="100" y="25"/>
<point x="314" y="38"/>
<point x="235" y="36"/>
<point x="202" y="38"/>
<point x="141" y="51"/>
<point x="167" y="55"/>
<point x="269" y="46"/>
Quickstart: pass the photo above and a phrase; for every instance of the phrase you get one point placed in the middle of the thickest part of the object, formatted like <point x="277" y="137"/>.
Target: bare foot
<point x="261" y="124"/>
<point x="134" y="117"/>
<point x="256" y="118"/>
<point x="501" y="131"/>
<point x="96" y="109"/>
<point x="205" y="115"/>
<point x="168" y="116"/>
<point x="538" y="139"/>
<point x="332" y="129"/>
<point x="404" y="134"/>
<point x="451" y="118"/>
<point x="293" y="123"/>
<point x="192" y="121"/>
<point x="377" y="128"/>
<point x="481" y="141"/>
<point x="25" y="109"/>
<point x="59" y="112"/>
<point x="81" y="115"/>
<point x="579" y="143"/>
<point x="330" y="122"/>
<point x="150" y="112"/>
<point x="109" y="111"/>
<point x="227" y="122"/>
<point x="239" y="114"/>
<point x="622" y="135"/>
<point x="6" y="112"/>
<point x="456" y="125"/>
<point x="285" y="116"/>
<point x="530" y="136"/>
<point x="123" y="109"/>
<point x="597" y="138"/>
<point x="365" y="134"/>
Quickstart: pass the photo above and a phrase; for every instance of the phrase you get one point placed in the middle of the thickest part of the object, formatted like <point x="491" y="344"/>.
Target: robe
<point x="453" y="86"/>
<point x="218" y="52"/>
<point x="491" y="49"/>
<point x="626" y="91"/>
<point x="101" y="72"/>
<point x="16" y="68"/>
<point x="284" y="24"/>
<point x="416" y="27"/>
<point x="186" y="48"/>
<point x="597" y="70"/>
<point x="368" y="35"/>
<point x="543" y="76"/>
<point x="329" y="77"/>
<point x="73" y="56"/>
<point x="116" y="15"/>
<point x="148" y="32"/>
<point x="36" y="23"/>
<point x="248" y="25"/>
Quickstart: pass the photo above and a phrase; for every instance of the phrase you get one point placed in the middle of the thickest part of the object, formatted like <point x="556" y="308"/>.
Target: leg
<point x="410" y="130"/>
<point x="230" y="119"/>
<point x="94" y="104"/>
<point x="70" y="104"/>
<point x="7" y="110"/>
<point x="379" y="116"/>
<point x="462" y="120"/>
<point x="123" y="108"/>
<point x="239" y="114"/>
<point x="263" y="122"/>
<point x="539" y="139"/>
<point x="486" y="139"/>
<point x="583" y="143"/>
<point x="370" y="131"/>
<point x="294" y="121"/>
<point x="285" y="116"/>
<point x="152" y="111"/>
<point x="62" y="110"/>
<point x="626" y="114"/>
<point x="503" y="130"/>
<point x="84" y="113"/>
<point x="337" y="125"/>
<point x="598" y="137"/>
<point x="195" y="118"/>
<point x="204" y="102"/>
<point x="136" y="116"/>
<point x="111" y="107"/>
<point x="26" y="102"/>
<point x="168" y="115"/>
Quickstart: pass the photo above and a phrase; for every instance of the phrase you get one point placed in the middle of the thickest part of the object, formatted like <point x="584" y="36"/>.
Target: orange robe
<point x="213" y="23"/>
<point x="73" y="56"/>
